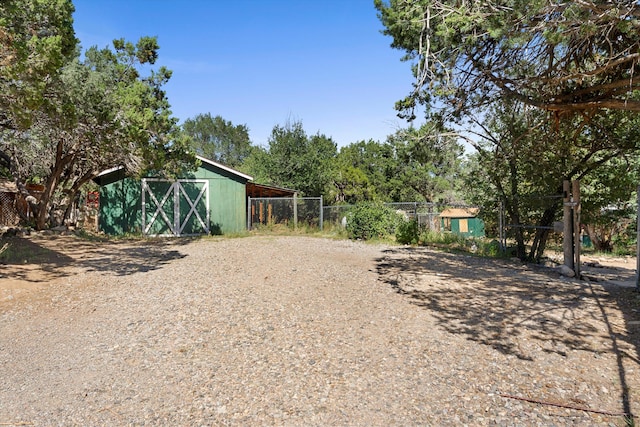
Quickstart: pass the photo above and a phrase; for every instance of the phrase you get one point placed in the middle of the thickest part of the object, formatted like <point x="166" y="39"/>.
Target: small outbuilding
<point x="462" y="221"/>
<point x="210" y="200"/>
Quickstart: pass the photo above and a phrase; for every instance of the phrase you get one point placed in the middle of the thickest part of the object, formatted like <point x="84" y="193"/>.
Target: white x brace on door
<point x="175" y="208"/>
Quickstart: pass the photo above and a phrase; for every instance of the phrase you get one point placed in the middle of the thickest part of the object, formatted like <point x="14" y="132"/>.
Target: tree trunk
<point x="75" y="190"/>
<point x="600" y="239"/>
<point x="542" y="234"/>
<point x="41" y="216"/>
<point x="514" y="214"/>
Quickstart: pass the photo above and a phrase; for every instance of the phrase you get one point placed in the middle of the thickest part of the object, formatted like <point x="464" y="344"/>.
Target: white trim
<point x="171" y="190"/>
<point x="177" y="190"/>
<point x="193" y="210"/>
<point x="202" y="159"/>
<point x="108" y="171"/>
<point x="226" y="168"/>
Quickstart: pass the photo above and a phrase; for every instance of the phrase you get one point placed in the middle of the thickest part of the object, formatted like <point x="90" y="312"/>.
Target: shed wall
<point x="120" y="207"/>
<point x="227" y="201"/>
<point x="121" y="202"/>
<point x="468" y="227"/>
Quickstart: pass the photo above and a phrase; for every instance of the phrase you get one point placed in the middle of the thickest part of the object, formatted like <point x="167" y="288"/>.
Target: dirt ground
<point x="34" y="262"/>
<point x="31" y="264"/>
<point x="436" y="337"/>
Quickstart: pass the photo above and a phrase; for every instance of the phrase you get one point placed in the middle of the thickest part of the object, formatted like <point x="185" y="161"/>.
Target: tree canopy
<point x="294" y="160"/>
<point x="558" y="56"/>
<point x="521" y="160"/>
<point x="65" y="118"/>
<point x="36" y="39"/>
<point x="299" y="161"/>
<point x="429" y="161"/>
<point x="218" y="139"/>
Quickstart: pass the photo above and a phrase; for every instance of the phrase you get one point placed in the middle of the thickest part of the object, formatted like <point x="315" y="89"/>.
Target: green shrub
<point x="371" y="220"/>
<point x="442" y="238"/>
<point x="489" y="249"/>
<point x="408" y="232"/>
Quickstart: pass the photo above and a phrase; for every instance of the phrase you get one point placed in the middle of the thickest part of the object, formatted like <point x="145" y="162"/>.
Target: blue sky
<point x="261" y="63"/>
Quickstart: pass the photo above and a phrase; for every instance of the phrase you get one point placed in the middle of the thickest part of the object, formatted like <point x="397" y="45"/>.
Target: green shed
<point x="463" y="221"/>
<point x="210" y="200"/>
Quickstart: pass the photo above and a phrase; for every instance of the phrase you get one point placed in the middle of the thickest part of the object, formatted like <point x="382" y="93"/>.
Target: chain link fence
<point x="9" y="209"/>
<point x="426" y="214"/>
<point x="310" y="212"/>
<point x="289" y="211"/>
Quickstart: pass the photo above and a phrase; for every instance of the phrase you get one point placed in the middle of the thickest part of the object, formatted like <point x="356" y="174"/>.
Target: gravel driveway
<point x="308" y="331"/>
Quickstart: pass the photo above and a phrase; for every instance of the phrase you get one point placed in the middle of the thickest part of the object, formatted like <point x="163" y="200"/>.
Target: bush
<point x="408" y="233"/>
<point x="489" y="249"/>
<point x="442" y="238"/>
<point x="371" y="220"/>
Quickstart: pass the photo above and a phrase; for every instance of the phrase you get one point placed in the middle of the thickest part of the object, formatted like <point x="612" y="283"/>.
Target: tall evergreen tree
<point x="218" y="139"/>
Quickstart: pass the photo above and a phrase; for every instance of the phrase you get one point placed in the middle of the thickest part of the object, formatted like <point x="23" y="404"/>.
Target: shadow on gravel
<point x="123" y="260"/>
<point x="628" y="302"/>
<point x="515" y="309"/>
<point x="52" y="254"/>
<point x="22" y="252"/>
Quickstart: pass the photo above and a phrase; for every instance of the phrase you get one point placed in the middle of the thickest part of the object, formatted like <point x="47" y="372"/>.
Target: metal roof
<point x="260" y="190"/>
<point x="460" y="213"/>
<point x="226" y="168"/>
<point x="202" y="159"/>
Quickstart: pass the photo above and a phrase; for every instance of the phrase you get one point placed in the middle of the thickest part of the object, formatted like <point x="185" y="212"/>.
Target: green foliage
<point x="36" y="39"/>
<point x="609" y="204"/>
<point x="555" y="55"/>
<point x="413" y="164"/>
<point x="256" y="164"/>
<point x="430" y="237"/>
<point x="489" y="248"/>
<point x="218" y="139"/>
<point x="522" y="159"/>
<point x="408" y="232"/>
<point x="79" y="117"/>
<point x="370" y="221"/>
<point x="364" y="171"/>
<point x="295" y="160"/>
<point x="451" y="241"/>
<point x="428" y="162"/>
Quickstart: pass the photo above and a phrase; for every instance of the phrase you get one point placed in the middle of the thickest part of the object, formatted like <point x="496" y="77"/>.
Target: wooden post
<point x="295" y="211"/>
<point x="575" y="195"/>
<point x="321" y="214"/>
<point x="249" y="213"/>
<point x="567" y="230"/>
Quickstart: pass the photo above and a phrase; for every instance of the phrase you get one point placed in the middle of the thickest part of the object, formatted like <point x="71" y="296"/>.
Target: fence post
<point x="567" y="229"/>
<point x="249" y="213"/>
<point x="295" y="211"/>
<point x="321" y="214"/>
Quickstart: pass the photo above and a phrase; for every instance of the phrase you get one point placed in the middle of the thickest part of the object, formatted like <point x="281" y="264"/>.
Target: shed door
<point x="175" y="208"/>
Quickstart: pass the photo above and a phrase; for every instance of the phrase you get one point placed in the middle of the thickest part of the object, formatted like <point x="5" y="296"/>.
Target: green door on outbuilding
<point x="462" y="221"/>
<point x="210" y="200"/>
<point x="179" y="207"/>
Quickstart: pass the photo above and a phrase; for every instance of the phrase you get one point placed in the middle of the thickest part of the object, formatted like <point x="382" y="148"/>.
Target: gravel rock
<point x="309" y="331"/>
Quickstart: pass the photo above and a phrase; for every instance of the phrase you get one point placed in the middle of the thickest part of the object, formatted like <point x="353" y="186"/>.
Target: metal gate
<point x="175" y="208"/>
